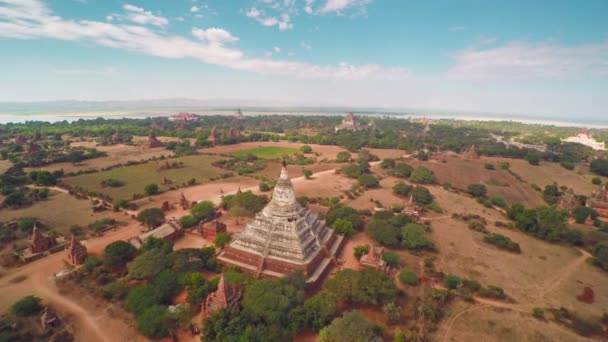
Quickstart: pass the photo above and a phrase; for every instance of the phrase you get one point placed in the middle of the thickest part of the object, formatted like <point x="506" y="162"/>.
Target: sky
<point x="541" y="57"/>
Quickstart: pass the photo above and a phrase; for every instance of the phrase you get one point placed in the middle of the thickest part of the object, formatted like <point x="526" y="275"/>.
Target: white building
<point x="586" y="139"/>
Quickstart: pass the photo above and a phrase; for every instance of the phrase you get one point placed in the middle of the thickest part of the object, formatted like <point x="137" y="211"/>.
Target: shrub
<point x="452" y="282"/>
<point x="392" y="313"/>
<point x="421" y="195"/>
<point x="264" y="187"/>
<point x="188" y="221"/>
<point x="402" y="189"/>
<point x="344" y="227"/>
<point x="204" y="211"/>
<point x="342" y="157"/>
<point x="91" y="262"/>
<point x="477" y="190"/>
<point x="368" y="181"/>
<point x="538" y="313"/>
<point x="221" y="240"/>
<point x="472" y="285"/>
<point x="360" y="250"/>
<point x="306" y="149"/>
<point x="596" y="180"/>
<point x="489" y="166"/>
<point x="402" y="170"/>
<point x="391" y="259"/>
<point x="26" y="306"/>
<point x="499" y="202"/>
<point x="492" y="291"/>
<point x="533" y="158"/>
<point x="502" y="242"/>
<point x="152" y="322"/>
<point x="387" y="163"/>
<point x="409" y="277"/>
<point x="414" y="237"/>
<point x="600" y="167"/>
<point x="307" y="173"/>
<point x="115" y="290"/>
<point x="566" y="164"/>
<point x="422" y="175"/>
<point x="151" y="189"/>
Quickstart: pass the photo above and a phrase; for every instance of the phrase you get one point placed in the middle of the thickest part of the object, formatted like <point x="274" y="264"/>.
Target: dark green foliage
<point x="402" y="170"/>
<point x="391" y="259"/>
<point x="272" y="300"/>
<point x="387" y="163"/>
<point x="472" y="285"/>
<point x="384" y="232"/>
<point x="477" y="190"/>
<point x="409" y="277"/>
<point x="538" y="313"/>
<point x="307" y="173"/>
<point x="452" y="282"/>
<point x="118" y="253"/>
<point x="166" y="246"/>
<point x="422" y="156"/>
<point x="193" y="259"/>
<point x="502" y="242"/>
<point x="151" y="217"/>
<point x="422" y="175"/>
<point x="421" y="195"/>
<point x="344" y="227"/>
<point x="26" y="306"/>
<point x="499" y="202"/>
<point x="600" y="167"/>
<point x="545" y="223"/>
<point x="533" y="158"/>
<point x="188" y="221"/>
<point x="492" y="291"/>
<point x="574" y="237"/>
<point x="306" y="149"/>
<point x="91" y="262"/>
<point x="351" y="327"/>
<point x="320" y="310"/>
<point x="414" y="238"/>
<point x="151" y="189"/>
<point x="204" y="211"/>
<point x="368" y="181"/>
<point x="551" y="194"/>
<point x="158" y="292"/>
<point x="347" y="214"/>
<point x="355" y="170"/>
<point x="44" y="177"/>
<point x="264" y="187"/>
<point x="115" y="290"/>
<point x="402" y="189"/>
<point x="596" y="181"/>
<point x="148" y="264"/>
<point x="368" y="286"/>
<point x="342" y="157"/>
<point x="152" y="322"/>
<point x="600" y="255"/>
<point x="113" y="183"/>
<point x="246" y="200"/>
<point x="566" y="164"/>
<point x="582" y="213"/>
<point x="489" y="166"/>
<point x="360" y="250"/>
<point x="221" y="240"/>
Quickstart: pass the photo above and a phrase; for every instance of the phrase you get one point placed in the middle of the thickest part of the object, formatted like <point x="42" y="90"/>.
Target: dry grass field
<point x="324" y="151"/>
<point x="384" y="195"/>
<point x="137" y="177"/>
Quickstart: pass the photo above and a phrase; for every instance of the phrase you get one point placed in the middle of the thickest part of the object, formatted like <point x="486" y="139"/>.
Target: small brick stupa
<point x="472" y="153"/>
<point x="282" y="238"/>
<point x="212" y="137"/>
<point x="153" y="141"/>
<point x="224" y="297"/>
<point x="373" y="259"/>
<point x="40" y="243"/>
<point x="76" y="252"/>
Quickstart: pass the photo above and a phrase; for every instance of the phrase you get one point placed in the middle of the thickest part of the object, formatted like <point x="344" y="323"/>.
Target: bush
<point x="368" y="181"/>
<point x="360" y="250"/>
<point x="306" y="149"/>
<point x="477" y="190"/>
<point x="533" y="158"/>
<point x="452" y="282"/>
<point x="342" y="157"/>
<point x="115" y="290"/>
<point x="188" y="221"/>
<point x="502" y="242"/>
<point x="492" y="291"/>
<point x="221" y="240"/>
<point x="538" y="313"/>
<point x="489" y="166"/>
<point x="470" y="284"/>
<point x="91" y="262"/>
<point x="596" y="180"/>
<point x="600" y="167"/>
<point x="402" y="170"/>
<point x="264" y="187"/>
<point x="118" y="253"/>
<point x="414" y="237"/>
<point x="204" y="211"/>
<point x="499" y="202"/>
<point x="409" y="277"/>
<point x="391" y="259"/>
<point x="421" y="195"/>
<point x="307" y="173"/>
<point x="151" y="217"/>
<point x="151" y="189"/>
<point x="387" y="163"/>
<point x="392" y="313"/>
<point x="402" y="189"/>
<point x="148" y="264"/>
<point x="152" y="322"/>
<point x="566" y="164"/>
<point x="344" y="227"/>
<point x="422" y="175"/>
<point x="27" y="306"/>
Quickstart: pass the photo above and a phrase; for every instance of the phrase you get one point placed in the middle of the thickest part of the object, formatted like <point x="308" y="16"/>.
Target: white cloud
<point x="281" y="19"/>
<point x="277" y="49"/>
<point x="34" y="20"/>
<point x="109" y="17"/>
<point x="524" y="60"/>
<point x="194" y="9"/>
<point x="180" y="19"/>
<point x="253" y="13"/>
<point x="338" y="6"/>
<point x="214" y="35"/>
<point x="305" y="45"/>
<point x="456" y="28"/>
<point x="141" y="16"/>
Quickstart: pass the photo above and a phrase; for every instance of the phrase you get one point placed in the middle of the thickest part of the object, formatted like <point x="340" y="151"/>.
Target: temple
<point x="598" y="201"/>
<point x="40" y="243"/>
<point x="282" y="238"/>
<point x="153" y="141"/>
<point x="373" y="259"/>
<point x="76" y="252"/>
<point x="472" y="153"/>
<point x="212" y="137"/>
<point x="412" y="209"/>
<point x="349" y="123"/>
<point x="585" y="138"/>
<point x="224" y="297"/>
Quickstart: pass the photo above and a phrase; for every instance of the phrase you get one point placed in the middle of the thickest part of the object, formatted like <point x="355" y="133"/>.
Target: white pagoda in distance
<point x="586" y="139"/>
<point x="282" y="238"/>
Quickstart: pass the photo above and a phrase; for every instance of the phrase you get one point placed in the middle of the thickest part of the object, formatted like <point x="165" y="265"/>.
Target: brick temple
<point x="224" y="297"/>
<point x="282" y="238"/>
<point x="76" y="252"/>
<point x="598" y="201"/>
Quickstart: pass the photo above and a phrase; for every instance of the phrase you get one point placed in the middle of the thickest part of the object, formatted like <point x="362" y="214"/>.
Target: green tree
<point x="152" y="322"/>
<point x="551" y="194"/>
<point x="582" y="213"/>
<point x="452" y="282"/>
<point x="600" y="167"/>
<point x="272" y="300"/>
<point x="477" y="190"/>
<point x="402" y="189"/>
<point x="392" y="313"/>
<point x="155" y="243"/>
<point x="368" y="286"/>
<point x="596" y="181"/>
<point x="221" y="240"/>
<point x="409" y="277"/>
<point x="306" y="149"/>
<point x="600" y="255"/>
<point x="391" y="259"/>
<point x="151" y="189"/>
<point x="307" y="173"/>
<point x="368" y="181"/>
<point x="91" y="262"/>
<point x="118" y="253"/>
<point x="360" y="250"/>
<point x="151" y="217"/>
<point x="533" y="158"/>
<point x="342" y="157"/>
<point x="345" y="213"/>
<point x="27" y="306"/>
<point x="204" y="211"/>
<point x="344" y="227"/>
<point x="414" y="237"/>
<point x="421" y="195"/>
<point x="499" y="202"/>
<point x="351" y="327"/>
<point x="387" y="163"/>
<point x="148" y="264"/>
<point x="320" y="310"/>
<point x="188" y="221"/>
<point x="422" y="175"/>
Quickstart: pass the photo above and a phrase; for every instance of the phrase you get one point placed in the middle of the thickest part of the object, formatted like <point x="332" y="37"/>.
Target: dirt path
<point x="552" y="283"/>
<point x="447" y="332"/>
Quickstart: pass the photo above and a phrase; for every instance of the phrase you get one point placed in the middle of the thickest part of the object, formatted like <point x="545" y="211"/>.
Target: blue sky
<point x="536" y="57"/>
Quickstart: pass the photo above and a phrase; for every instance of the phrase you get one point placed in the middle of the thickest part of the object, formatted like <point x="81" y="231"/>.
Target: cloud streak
<point x="32" y="19"/>
<point x="524" y="61"/>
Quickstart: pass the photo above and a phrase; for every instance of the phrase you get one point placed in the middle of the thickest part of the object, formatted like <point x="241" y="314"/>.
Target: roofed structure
<point x="153" y="141"/>
<point x="76" y="252"/>
<point x="224" y="297"/>
<point x="169" y="231"/>
<point x="40" y="243"/>
<point x="349" y="123"/>
<point x="585" y="138"/>
<point x="284" y="237"/>
<point x="212" y="137"/>
<point x="373" y="259"/>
